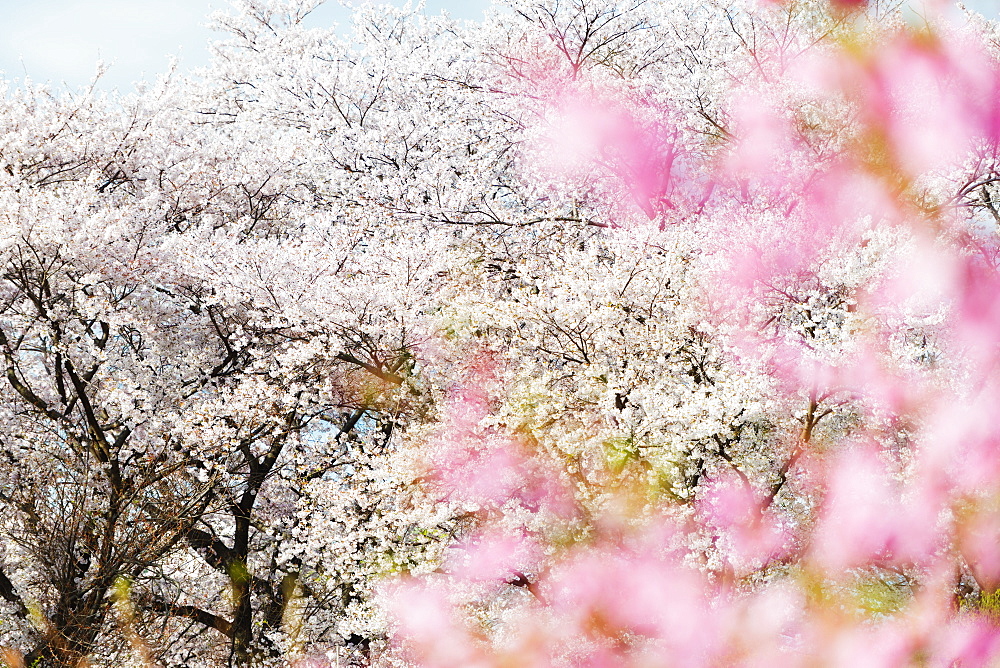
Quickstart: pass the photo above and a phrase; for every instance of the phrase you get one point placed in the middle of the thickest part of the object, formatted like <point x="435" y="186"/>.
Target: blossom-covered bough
<point x="645" y="332"/>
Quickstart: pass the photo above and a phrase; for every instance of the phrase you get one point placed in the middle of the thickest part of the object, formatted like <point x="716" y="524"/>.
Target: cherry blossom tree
<point x="600" y="332"/>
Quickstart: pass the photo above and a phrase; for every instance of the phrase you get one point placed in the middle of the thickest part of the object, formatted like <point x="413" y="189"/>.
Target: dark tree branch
<point x="387" y="376"/>
<point x="9" y="593"/>
<point x="203" y="617"/>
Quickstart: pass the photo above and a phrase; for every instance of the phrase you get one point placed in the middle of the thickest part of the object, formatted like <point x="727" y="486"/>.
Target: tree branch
<point x="9" y="593"/>
<point x="372" y="369"/>
<point x="204" y="617"/>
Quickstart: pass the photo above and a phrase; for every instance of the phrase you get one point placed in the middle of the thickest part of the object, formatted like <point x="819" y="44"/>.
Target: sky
<point x="60" y="41"/>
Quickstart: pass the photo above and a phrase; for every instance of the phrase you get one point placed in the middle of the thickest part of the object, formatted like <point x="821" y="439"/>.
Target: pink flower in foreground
<point x="928" y="97"/>
<point x="898" y="481"/>
<point x="589" y="130"/>
<point x="425" y="619"/>
<point x="752" y="535"/>
<point x="869" y="517"/>
<point x="494" y="556"/>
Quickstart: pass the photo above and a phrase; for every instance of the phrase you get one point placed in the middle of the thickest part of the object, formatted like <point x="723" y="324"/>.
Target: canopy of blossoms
<point x="598" y="333"/>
